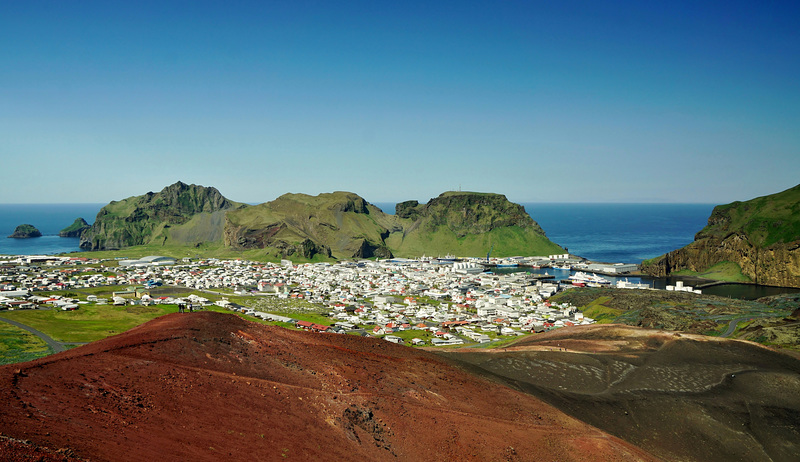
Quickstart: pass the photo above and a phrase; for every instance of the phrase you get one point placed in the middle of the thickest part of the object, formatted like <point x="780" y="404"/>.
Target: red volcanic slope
<point x="211" y="386"/>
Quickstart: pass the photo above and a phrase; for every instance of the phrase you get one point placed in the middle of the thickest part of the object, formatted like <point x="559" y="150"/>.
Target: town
<point x="420" y="302"/>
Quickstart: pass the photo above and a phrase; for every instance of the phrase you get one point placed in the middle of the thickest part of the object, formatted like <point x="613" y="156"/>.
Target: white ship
<point x="467" y="267"/>
<point x="582" y="279"/>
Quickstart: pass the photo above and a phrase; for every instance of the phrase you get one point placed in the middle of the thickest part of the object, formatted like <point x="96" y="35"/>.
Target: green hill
<point x="760" y="236"/>
<point x="160" y="218"/>
<point x="339" y="225"/>
<point x="328" y="226"/>
<point x="75" y="229"/>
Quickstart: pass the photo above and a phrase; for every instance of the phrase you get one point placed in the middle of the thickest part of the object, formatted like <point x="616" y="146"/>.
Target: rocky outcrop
<point x="75" y="229"/>
<point x="25" y="231"/>
<point x="408" y="209"/>
<point x="762" y="236"/>
<point x="472" y="213"/>
<point x="151" y="217"/>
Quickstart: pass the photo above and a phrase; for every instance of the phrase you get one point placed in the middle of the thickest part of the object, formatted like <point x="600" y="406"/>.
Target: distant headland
<point x="75" y="229"/>
<point x="754" y="241"/>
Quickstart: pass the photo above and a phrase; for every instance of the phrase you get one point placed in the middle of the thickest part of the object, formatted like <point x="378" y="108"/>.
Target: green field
<point x="408" y="335"/>
<point x="724" y="271"/>
<point x="89" y="322"/>
<point x="18" y="345"/>
<point x="601" y="313"/>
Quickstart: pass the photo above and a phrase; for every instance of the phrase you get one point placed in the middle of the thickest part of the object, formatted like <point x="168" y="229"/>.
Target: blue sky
<point x="540" y="101"/>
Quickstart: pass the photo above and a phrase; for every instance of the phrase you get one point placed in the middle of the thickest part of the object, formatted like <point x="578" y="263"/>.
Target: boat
<point x="467" y="267"/>
<point x="582" y="279"/>
<point x="507" y="264"/>
<point x="632" y="285"/>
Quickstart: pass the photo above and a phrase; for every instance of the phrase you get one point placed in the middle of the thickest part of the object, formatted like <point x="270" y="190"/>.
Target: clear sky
<point x="556" y="101"/>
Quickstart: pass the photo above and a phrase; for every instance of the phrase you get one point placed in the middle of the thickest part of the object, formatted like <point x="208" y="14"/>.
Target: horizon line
<point x="397" y="202"/>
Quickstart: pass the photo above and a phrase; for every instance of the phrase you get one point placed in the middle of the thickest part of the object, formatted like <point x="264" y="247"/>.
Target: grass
<point x="89" y="322"/>
<point x="18" y="345"/>
<point x="727" y="271"/>
<point x="100" y="291"/>
<point x="205" y="250"/>
<point x="508" y="241"/>
<point x="601" y="313"/>
<point x="311" y="317"/>
<point x="766" y="220"/>
<point x="408" y="335"/>
<point x="500" y="343"/>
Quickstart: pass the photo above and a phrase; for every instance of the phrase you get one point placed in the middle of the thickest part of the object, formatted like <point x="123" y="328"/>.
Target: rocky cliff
<point x="25" y="231"/>
<point x="762" y="236"/>
<point x="159" y="217"/>
<point x="468" y="224"/>
<point x="75" y="229"/>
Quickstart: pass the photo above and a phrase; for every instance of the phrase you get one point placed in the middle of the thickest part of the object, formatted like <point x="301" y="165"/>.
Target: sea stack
<point x="75" y="229"/>
<point x="25" y="231"/>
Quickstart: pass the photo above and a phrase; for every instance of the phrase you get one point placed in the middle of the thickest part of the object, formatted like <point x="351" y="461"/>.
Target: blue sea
<point x="614" y="233"/>
<point x="620" y="233"/>
<point x="47" y="218"/>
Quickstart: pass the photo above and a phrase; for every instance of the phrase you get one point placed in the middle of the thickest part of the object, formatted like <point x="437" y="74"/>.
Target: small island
<point x="25" y="231"/>
<point x="75" y="229"/>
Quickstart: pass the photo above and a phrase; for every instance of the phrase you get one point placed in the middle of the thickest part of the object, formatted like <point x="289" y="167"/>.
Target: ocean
<point x="620" y="233"/>
<point x="47" y="218"/>
<point x="613" y="233"/>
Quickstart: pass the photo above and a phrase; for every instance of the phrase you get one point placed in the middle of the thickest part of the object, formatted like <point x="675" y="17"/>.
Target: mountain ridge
<point x="333" y="225"/>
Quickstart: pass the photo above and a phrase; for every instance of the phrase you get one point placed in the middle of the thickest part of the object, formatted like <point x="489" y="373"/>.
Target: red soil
<point x="210" y="386"/>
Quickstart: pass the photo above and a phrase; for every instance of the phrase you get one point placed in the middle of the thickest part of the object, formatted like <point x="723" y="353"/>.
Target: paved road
<point x="56" y="346"/>
<point x="732" y="325"/>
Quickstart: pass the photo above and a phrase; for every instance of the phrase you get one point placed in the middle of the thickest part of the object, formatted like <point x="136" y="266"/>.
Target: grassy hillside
<point x="469" y="224"/>
<point x="764" y="220"/>
<point x="681" y="311"/>
<point x="503" y="242"/>
<point x="725" y="271"/>
<point x="755" y="240"/>
<point x="340" y="224"/>
<point x="152" y="217"/>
